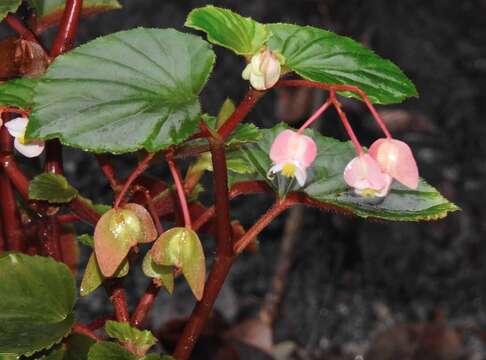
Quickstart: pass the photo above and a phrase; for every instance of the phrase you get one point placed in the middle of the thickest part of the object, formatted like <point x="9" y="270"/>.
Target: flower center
<point x="370" y="193"/>
<point x="288" y="170"/>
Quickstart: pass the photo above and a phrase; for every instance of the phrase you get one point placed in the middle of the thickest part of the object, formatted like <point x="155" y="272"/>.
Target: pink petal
<point x="16" y="127"/>
<point x="290" y="146"/>
<point x="30" y="149"/>
<point x="279" y="149"/>
<point x="396" y="159"/>
<point x="363" y="172"/>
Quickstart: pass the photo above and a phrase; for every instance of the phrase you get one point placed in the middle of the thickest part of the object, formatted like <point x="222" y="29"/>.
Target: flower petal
<point x="396" y="159"/>
<point x="16" y="127"/>
<point x="30" y="149"/>
<point x="300" y="175"/>
<point x="363" y="172"/>
<point x="280" y="147"/>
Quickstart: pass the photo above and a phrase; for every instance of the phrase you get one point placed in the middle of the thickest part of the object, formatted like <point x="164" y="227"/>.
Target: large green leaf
<point x="8" y="6"/>
<point x="324" y="56"/>
<point x="52" y="188"/>
<point x="326" y="187"/>
<point x="37" y="296"/>
<point x="17" y="93"/>
<point x="241" y="34"/>
<point x="141" y="91"/>
<point x="49" y="12"/>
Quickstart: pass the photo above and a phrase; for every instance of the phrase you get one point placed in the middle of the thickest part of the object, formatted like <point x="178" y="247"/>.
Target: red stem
<point x="109" y="172"/>
<point x="81" y="329"/>
<point x="49" y="233"/>
<point x="224" y="252"/>
<point x="141" y="167"/>
<point x="145" y="304"/>
<point x="180" y="189"/>
<point x="118" y="299"/>
<point x="68" y="218"/>
<point x="84" y="211"/>
<point x="23" y="31"/>
<point x="66" y="34"/>
<point x="153" y="211"/>
<point x="263" y="222"/>
<point x="249" y="101"/>
<point x="99" y="323"/>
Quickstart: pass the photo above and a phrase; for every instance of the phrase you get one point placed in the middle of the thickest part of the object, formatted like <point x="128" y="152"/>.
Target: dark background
<point x="347" y="272"/>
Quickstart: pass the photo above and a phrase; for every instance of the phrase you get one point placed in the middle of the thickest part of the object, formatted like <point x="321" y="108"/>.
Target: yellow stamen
<point x="288" y="170"/>
<point x="22" y="139"/>
<point x="369" y="193"/>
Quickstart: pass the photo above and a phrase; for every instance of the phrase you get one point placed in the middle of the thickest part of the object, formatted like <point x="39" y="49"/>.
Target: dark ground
<point x="347" y="273"/>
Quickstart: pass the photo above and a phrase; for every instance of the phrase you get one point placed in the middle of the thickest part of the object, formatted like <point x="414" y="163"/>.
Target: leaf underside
<point x="17" y="93"/>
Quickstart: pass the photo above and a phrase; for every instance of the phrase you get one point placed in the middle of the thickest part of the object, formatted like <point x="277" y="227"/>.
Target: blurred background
<point x="354" y="289"/>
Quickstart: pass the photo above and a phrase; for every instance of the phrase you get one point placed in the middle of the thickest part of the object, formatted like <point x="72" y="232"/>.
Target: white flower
<point x="263" y="71"/>
<point x="16" y="127"/>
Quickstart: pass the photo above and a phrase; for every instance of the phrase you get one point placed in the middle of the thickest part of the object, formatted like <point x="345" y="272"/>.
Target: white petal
<point x="16" y="127"/>
<point x="257" y="81"/>
<point x="300" y="175"/>
<point x="30" y="149"/>
<point x="273" y="170"/>
<point x="246" y="72"/>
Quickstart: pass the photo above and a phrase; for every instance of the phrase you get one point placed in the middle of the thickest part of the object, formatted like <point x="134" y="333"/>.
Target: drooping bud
<point x="292" y="153"/>
<point x="396" y="159"/>
<point x="364" y="175"/>
<point x="264" y="69"/>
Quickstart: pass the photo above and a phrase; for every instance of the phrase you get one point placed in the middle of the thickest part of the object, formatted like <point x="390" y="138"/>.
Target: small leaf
<point x="37" y="297"/>
<point x="140" y="340"/>
<point x="141" y="92"/>
<point x="49" y="12"/>
<point x="93" y="277"/>
<point x="326" y="188"/>
<point x="160" y="272"/>
<point x="182" y="248"/>
<point x="17" y="93"/>
<point x="324" y="56"/>
<point x="148" y="226"/>
<point x="243" y="35"/>
<point x="8" y="6"/>
<point x="224" y="113"/>
<point x="52" y="188"/>
<point x="86" y="239"/>
<point x="105" y="350"/>
<point x="115" y="233"/>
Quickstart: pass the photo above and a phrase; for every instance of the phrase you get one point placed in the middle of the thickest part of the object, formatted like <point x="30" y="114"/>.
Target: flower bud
<point x="263" y="71"/>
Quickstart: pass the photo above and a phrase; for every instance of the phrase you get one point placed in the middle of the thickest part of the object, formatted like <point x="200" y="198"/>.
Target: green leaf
<point x="8" y="6"/>
<point x="49" y="12"/>
<point x="141" y="340"/>
<point x="141" y="92"/>
<point x="37" y="297"/>
<point x="86" y="239"/>
<point x="323" y="56"/>
<point x="163" y="273"/>
<point x="326" y="187"/>
<point x="93" y="277"/>
<point x="52" y="188"/>
<point x="109" y="351"/>
<point x="243" y="35"/>
<point x="181" y="247"/>
<point x="78" y="347"/>
<point x="225" y="112"/>
<point x="17" y="93"/>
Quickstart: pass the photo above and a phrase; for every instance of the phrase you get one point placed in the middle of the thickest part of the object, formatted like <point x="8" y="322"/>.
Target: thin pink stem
<point x="180" y="189"/>
<point x="133" y="176"/>
<point x="347" y="126"/>
<point x="314" y="117"/>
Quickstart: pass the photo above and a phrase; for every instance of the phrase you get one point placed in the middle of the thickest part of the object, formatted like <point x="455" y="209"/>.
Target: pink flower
<point x="292" y="153"/>
<point x="16" y="127"/>
<point x="396" y="159"/>
<point x="364" y="175"/>
<point x="263" y="71"/>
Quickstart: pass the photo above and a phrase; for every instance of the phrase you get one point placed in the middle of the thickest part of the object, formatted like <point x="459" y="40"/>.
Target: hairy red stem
<point x="50" y="234"/>
<point x="224" y="252"/>
<point x="99" y="323"/>
<point x="118" y="299"/>
<point x="145" y="304"/>
<point x="81" y="329"/>
<point x="68" y="28"/>
<point x="109" y="172"/>
<point x="248" y="102"/>
<point x="84" y="210"/>
<point x="180" y="189"/>
<point x="68" y="218"/>
<point x="141" y="167"/>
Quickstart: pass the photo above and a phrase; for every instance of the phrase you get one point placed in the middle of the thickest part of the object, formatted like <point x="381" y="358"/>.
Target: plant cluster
<point x="137" y="91"/>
